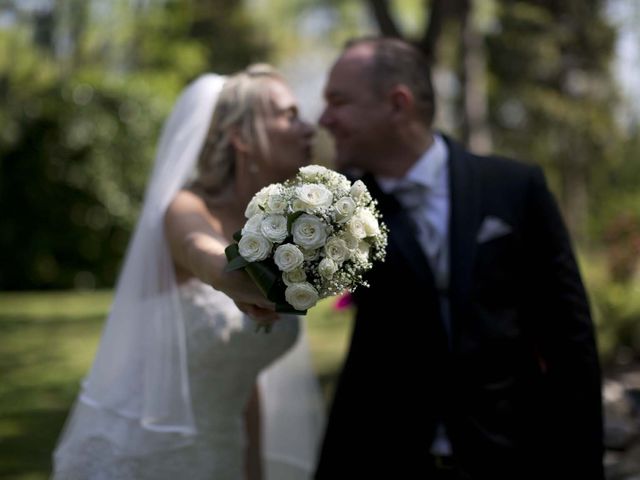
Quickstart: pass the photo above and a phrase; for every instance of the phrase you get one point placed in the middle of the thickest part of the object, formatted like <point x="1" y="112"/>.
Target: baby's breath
<point x="322" y="207"/>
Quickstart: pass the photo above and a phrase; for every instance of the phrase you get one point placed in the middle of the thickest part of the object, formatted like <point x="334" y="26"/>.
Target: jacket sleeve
<point x="564" y="335"/>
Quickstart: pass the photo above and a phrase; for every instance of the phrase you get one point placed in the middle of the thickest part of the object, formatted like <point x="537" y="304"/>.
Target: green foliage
<point x="49" y="340"/>
<point x="74" y="164"/>
<point x="617" y="314"/>
<point x="615" y="306"/>
<point x="622" y="247"/>
<point x="81" y="112"/>
<point x="616" y="193"/>
<point x="552" y="96"/>
<point x="317" y="25"/>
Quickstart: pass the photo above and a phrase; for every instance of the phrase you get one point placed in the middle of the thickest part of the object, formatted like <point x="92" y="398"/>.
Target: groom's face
<point x="355" y="115"/>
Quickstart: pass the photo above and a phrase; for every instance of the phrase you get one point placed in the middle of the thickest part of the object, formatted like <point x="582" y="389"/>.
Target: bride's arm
<point x="199" y="250"/>
<point x="253" y="458"/>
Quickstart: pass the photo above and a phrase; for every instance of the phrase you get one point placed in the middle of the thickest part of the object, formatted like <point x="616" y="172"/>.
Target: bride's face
<point x="289" y="137"/>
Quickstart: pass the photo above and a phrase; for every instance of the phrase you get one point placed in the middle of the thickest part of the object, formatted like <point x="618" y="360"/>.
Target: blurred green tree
<point x="85" y="87"/>
<point x="552" y="95"/>
<point x="535" y="83"/>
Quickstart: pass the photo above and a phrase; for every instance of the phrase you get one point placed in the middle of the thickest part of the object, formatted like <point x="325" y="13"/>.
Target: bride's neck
<point x="229" y="203"/>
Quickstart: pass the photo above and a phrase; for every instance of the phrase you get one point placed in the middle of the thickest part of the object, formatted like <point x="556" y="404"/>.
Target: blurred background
<point x="86" y="84"/>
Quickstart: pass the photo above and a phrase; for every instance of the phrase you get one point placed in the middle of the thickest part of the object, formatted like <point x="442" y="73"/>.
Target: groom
<point x="473" y="352"/>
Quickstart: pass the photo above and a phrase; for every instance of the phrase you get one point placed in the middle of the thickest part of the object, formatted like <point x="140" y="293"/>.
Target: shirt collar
<point x="427" y="171"/>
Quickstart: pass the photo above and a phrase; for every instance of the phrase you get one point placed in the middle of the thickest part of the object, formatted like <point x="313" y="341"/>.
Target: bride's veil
<point x="137" y="393"/>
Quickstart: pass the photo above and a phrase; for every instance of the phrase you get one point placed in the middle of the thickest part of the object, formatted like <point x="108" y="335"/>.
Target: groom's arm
<point x="565" y="331"/>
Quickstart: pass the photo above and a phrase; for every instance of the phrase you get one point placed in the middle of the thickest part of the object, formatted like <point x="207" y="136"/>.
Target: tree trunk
<point x="575" y="198"/>
<point x="386" y="23"/>
<point x="476" y="131"/>
<point x="433" y="29"/>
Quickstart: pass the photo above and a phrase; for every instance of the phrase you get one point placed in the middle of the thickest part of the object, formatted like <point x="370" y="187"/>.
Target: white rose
<point x="358" y="189"/>
<point x="370" y="222"/>
<point x="345" y="207"/>
<point x="363" y="250"/>
<point x="288" y="257"/>
<point x="273" y="189"/>
<point x="274" y="227"/>
<point x="258" y="200"/>
<point x="315" y="195"/>
<point x="327" y="267"/>
<point x="294" y="276"/>
<point x="253" y="225"/>
<point x="301" y="296"/>
<point x="336" y="249"/>
<point x="253" y="208"/>
<point x="311" y="172"/>
<point x="310" y="254"/>
<point x="254" y="247"/>
<point x="276" y="201"/>
<point x="309" y="232"/>
<point x="350" y="240"/>
<point x="356" y="227"/>
<point x="299" y="206"/>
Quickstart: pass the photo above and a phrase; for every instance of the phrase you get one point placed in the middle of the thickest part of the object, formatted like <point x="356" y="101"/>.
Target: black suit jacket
<point x="518" y="382"/>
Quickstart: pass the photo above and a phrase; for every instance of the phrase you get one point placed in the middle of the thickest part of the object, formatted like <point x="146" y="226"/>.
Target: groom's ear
<point x="401" y="99"/>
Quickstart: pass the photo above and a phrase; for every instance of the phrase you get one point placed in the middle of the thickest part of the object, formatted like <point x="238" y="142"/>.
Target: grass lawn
<point x="47" y="342"/>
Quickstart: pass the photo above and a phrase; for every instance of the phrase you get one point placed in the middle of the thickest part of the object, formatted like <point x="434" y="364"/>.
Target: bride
<point x="182" y="386"/>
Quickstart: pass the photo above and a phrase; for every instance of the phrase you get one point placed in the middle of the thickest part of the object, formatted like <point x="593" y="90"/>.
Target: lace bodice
<point x="226" y="353"/>
<point x="225" y="356"/>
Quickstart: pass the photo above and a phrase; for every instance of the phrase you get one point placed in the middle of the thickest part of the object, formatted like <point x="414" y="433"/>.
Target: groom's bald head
<point x="390" y="62"/>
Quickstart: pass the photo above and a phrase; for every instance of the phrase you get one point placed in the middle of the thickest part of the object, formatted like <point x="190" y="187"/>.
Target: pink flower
<point x="343" y="302"/>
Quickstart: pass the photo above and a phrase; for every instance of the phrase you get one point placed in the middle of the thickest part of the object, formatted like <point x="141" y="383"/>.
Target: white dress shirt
<point x="430" y="205"/>
<point x="431" y="175"/>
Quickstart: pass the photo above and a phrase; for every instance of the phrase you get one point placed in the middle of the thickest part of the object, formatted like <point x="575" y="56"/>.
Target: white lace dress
<point x="225" y="357"/>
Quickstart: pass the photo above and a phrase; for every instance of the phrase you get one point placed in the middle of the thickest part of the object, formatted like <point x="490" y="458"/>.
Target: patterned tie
<point x="418" y="201"/>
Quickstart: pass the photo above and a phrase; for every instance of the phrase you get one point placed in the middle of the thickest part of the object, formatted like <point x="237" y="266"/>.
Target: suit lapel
<point x="464" y="221"/>
<point x="402" y="234"/>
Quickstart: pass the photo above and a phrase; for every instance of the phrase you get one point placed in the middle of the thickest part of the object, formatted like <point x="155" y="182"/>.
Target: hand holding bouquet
<point x="309" y="238"/>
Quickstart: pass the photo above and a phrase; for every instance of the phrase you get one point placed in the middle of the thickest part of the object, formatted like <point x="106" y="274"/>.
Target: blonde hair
<point x="242" y="107"/>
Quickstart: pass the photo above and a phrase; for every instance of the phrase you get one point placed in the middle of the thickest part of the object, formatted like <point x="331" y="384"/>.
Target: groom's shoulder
<point x="498" y="165"/>
<point x="495" y="169"/>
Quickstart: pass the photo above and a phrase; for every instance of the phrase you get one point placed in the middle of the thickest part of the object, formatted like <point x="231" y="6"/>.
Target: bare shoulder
<point x="188" y="212"/>
<point x="186" y="201"/>
<point x="192" y="233"/>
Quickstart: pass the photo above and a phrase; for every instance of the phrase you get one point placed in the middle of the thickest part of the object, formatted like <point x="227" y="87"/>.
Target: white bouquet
<point x="309" y="238"/>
